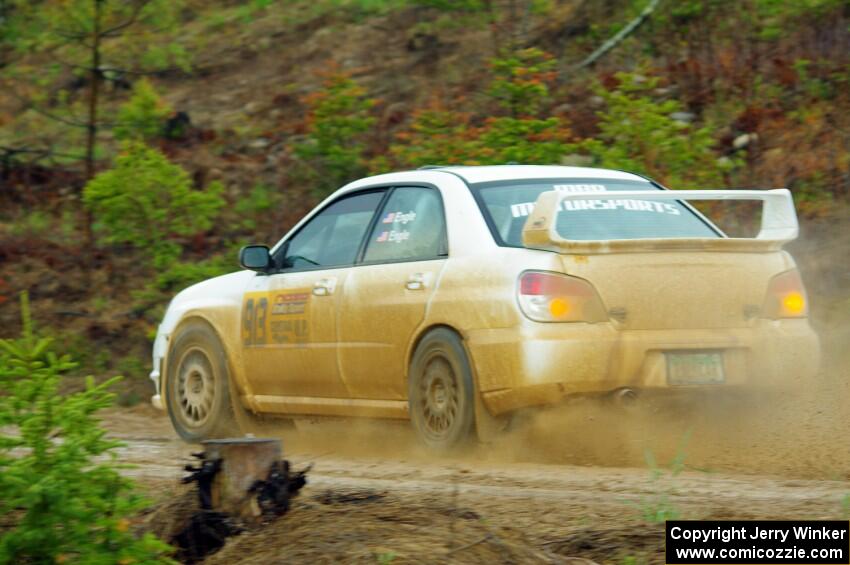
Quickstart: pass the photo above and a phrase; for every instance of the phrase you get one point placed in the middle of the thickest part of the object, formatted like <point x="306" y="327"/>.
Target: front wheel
<point x="198" y="388"/>
<point x="441" y="393"/>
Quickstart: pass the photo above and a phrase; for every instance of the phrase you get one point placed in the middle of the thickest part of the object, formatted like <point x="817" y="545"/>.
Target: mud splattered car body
<point x="454" y="296"/>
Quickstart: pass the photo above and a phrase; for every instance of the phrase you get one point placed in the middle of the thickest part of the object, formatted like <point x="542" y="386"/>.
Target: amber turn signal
<point x="786" y="297"/>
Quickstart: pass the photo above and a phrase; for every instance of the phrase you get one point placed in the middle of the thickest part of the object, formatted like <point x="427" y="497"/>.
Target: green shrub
<point x="521" y="80"/>
<point x="527" y="141"/>
<point x="59" y="479"/>
<point x="440" y="137"/>
<point x="143" y="116"/>
<point x="335" y="148"/>
<point x="436" y="137"/>
<point x="257" y="204"/>
<point x="637" y="134"/>
<point x="521" y="86"/>
<point x="148" y="202"/>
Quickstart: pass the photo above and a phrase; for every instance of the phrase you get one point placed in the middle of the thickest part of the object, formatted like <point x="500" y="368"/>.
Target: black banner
<point x="694" y="542"/>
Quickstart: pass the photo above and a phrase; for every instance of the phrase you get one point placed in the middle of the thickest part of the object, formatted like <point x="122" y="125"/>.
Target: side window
<point x="411" y="226"/>
<point x="333" y="237"/>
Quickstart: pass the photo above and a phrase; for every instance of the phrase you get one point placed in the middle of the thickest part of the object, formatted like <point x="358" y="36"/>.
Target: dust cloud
<point x="803" y="435"/>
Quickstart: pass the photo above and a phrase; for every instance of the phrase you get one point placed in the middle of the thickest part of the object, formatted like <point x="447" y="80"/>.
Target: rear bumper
<point x="540" y="364"/>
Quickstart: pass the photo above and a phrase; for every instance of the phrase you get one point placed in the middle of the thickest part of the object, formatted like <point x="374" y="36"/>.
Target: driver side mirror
<point x="255" y="258"/>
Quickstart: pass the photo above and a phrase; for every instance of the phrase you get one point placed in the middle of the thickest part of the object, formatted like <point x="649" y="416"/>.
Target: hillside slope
<point x="764" y="82"/>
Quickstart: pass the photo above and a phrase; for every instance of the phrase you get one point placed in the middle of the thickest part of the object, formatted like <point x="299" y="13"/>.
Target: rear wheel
<point x="198" y="388"/>
<point x="441" y="392"/>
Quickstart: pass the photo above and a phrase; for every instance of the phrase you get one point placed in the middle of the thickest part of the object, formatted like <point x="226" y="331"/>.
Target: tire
<point x="198" y="385"/>
<point x="441" y="394"/>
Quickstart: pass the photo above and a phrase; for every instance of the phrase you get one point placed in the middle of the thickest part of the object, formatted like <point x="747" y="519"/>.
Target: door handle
<point x="324" y="287"/>
<point x="416" y="281"/>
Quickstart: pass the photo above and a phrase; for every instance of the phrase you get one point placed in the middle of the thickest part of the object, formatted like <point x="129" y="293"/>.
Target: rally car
<point x="454" y="297"/>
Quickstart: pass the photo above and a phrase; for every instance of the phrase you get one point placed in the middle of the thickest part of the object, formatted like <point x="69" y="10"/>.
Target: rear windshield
<point x="508" y="204"/>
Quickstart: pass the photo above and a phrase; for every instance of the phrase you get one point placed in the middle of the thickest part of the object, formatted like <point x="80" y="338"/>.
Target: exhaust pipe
<point x="626" y="397"/>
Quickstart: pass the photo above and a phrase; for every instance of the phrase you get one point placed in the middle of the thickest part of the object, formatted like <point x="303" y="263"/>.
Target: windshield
<point x="508" y="203"/>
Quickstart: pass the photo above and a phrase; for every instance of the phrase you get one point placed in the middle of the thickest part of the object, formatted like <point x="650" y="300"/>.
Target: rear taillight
<point x="550" y="297"/>
<point x="786" y="297"/>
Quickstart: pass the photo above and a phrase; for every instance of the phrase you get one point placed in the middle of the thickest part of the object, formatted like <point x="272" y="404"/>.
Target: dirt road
<point x="372" y="496"/>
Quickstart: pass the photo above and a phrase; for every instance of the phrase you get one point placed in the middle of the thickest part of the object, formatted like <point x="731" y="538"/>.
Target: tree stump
<point x="243" y="462"/>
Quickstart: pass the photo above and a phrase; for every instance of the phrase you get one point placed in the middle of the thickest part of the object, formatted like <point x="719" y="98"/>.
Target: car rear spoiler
<point x="778" y="222"/>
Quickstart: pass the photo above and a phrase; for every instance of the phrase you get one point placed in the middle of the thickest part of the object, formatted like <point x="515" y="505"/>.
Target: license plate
<point x="695" y="368"/>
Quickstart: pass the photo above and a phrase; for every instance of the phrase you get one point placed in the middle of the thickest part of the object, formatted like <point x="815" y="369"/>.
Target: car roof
<point x="491" y="173"/>
<point x="487" y="173"/>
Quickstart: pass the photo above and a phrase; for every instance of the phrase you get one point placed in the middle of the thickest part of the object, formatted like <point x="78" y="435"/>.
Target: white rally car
<point x="454" y="297"/>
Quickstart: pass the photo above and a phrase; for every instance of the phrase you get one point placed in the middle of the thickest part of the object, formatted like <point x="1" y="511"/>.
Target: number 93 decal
<point x="254" y="317"/>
